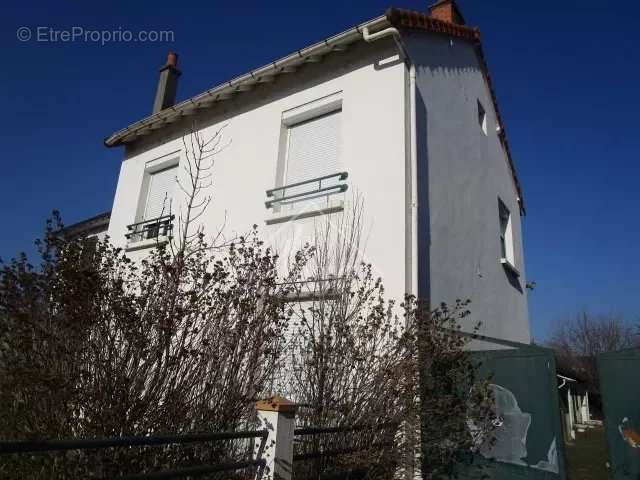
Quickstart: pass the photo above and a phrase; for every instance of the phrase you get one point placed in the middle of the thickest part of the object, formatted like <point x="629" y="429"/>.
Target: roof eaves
<point x="397" y="17"/>
<point x="225" y="90"/>
<point x="402" y="18"/>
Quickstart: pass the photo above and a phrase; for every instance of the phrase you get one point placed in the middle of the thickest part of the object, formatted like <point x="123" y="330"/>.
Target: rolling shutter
<point x="314" y="148"/>
<point x="160" y="193"/>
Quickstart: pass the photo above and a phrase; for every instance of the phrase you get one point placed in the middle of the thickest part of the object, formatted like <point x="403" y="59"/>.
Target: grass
<point x="588" y="455"/>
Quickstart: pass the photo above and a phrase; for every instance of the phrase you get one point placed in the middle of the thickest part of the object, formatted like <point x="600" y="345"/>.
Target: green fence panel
<point x="620" y="389"/>
<point x="529" y="441"/>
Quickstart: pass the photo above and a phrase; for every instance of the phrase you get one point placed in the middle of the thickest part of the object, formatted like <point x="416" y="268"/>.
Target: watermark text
<point x="44" y="34"/>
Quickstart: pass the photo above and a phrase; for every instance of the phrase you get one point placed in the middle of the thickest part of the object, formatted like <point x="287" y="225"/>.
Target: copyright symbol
<point x="23" y="34"/>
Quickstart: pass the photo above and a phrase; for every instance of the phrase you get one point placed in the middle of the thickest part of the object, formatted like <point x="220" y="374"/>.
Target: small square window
<point x="482" y="118"/>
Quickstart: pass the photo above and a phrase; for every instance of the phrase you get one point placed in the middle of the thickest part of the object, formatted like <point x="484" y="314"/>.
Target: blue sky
<point x="566" y="75"/>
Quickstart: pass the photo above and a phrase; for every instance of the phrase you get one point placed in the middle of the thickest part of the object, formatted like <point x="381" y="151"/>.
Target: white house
<point x="399" y="109"/>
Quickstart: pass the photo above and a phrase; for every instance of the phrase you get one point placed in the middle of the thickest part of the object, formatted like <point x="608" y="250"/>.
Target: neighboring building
<point x="399" y="109"/>
<point x="92" y="228"/>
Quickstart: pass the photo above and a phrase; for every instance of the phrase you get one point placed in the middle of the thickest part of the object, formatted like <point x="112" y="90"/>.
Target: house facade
<point x="398" y="112"/>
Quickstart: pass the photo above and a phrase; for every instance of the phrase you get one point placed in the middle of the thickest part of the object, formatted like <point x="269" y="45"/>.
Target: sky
<point x="566" y="75"/>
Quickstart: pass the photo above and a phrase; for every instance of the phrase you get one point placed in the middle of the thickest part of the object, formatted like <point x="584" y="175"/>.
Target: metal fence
<point x="276" y="451"/>
<point x="341" y="453"/>
<point x="28" y="448"/>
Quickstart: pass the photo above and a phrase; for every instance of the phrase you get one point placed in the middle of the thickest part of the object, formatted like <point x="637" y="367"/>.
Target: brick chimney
<point x="447" y="11"/>
<point x="168" y="84"/>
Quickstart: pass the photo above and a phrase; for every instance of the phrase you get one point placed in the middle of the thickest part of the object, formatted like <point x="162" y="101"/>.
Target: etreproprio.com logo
<point x="44" y="34"/>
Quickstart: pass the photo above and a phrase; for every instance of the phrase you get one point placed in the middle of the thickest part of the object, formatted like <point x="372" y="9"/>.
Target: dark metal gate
<point x="529" y="441"/>
<point x="620" y="389"/>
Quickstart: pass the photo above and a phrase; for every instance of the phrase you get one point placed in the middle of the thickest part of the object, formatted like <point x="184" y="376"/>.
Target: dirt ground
<point x="588" y="456"/>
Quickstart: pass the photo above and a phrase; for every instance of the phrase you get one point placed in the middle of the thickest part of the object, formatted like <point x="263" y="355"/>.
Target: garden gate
<point x="620" y="389"/>
<point x="528" y="439"/>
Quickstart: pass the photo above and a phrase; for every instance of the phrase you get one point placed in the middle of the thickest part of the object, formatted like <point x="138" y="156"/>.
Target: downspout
<point x="411" y="256"/>
<point x="413" y="206"/>
<point x="411" y="219"/>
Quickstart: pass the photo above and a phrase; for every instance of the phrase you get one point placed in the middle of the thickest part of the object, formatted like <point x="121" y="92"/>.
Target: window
<point x="312" y="152"/>
<point x="313" y="148"/>
<point x="308" y="318"/>
<point x="159" y="193"/>
<point x="310" y="175"/>
<point x="482" y="118"/>
<point x="310" y="162"/>
<point x="507" y="256"/>
<point x="155" y="213"/>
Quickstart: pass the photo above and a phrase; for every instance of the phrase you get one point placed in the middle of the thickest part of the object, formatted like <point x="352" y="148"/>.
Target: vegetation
<point x="93" y="344"/>
<point x="587" y="457"/>
<point x="356" y="358"/>
<point x="578" y="342"/>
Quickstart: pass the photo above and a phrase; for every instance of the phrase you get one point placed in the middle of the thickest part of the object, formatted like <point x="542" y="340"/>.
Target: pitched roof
<point x="396" y="17"/>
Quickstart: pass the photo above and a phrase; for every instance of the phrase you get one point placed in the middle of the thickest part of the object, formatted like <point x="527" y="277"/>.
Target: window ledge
<point x="280" y="217"/>
<point x="509" y="266"/>
<point x="147" y="243"/>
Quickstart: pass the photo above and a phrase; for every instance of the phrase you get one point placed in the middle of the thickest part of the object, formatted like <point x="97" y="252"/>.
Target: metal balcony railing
<point x="150" y="229"/>
<point x="280" y="193"/>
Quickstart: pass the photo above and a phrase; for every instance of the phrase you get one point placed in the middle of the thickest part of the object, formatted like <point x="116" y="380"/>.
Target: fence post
<point x="277" y="415"/>
<point x="572" y="433"/>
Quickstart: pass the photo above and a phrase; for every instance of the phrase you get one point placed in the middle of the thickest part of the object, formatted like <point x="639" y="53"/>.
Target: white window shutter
<point x="160" y="193"/>
<point x="314" y="148"/>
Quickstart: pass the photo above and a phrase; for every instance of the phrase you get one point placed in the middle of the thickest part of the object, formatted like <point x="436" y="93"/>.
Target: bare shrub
<point x="399" y="373"/>
<point x="96" y="345"/>
<point x="578" y="341"/>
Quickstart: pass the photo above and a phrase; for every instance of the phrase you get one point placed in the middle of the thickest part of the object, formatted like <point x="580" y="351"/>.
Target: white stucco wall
<point x="371" y="86"/>
<point x="461" y="171"/>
